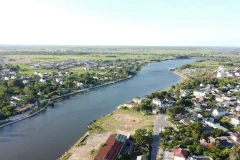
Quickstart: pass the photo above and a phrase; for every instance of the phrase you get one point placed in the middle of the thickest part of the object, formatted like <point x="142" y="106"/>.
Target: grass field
<point x="31" y="71"/>
<point x="211" y="64"/>
<point x="124" y="120"/>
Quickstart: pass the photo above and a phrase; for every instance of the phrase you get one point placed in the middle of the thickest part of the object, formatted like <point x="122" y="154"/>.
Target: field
<point x="124" y="120"/>
<point x="121" y="121"/>
<point x="24" y="56"/>
<point x="212" y="64"/>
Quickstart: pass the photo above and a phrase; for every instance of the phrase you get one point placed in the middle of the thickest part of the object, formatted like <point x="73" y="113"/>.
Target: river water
<point x="49" y="134"/>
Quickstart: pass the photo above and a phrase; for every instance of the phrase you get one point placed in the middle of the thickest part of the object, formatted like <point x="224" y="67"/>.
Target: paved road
<point x="158" y="124"/>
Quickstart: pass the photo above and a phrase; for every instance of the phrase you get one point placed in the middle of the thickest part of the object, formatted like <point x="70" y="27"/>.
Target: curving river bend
<point x="49" y="134"/>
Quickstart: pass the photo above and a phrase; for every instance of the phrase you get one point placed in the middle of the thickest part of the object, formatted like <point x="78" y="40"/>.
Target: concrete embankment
<point x="59" y="97"/>
<point x="42" y="109"/>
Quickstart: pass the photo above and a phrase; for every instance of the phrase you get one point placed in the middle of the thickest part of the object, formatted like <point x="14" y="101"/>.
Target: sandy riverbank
<point x="120" y="121"/>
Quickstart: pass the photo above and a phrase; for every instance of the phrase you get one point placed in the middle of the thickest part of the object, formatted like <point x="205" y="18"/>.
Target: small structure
<point x="180" y="154"/>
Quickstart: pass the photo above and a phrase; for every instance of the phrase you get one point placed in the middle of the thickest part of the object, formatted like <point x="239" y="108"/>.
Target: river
<point x="49" y="134"/>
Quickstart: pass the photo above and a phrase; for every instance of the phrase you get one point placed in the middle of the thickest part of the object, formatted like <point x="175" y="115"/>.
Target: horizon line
<point x="90" y="45"/>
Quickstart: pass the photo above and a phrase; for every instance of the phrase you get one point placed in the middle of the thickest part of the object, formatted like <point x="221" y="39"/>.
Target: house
<point x="235" y="136"/>
<point x="156" y="101"/>
<point x="180" y="154"/>
<point x="80" y="85"/>
<point x="200" y="107"/>
<point x="42" y="80"/>
<point x="25" y="81"/>
<point x="235" y="121"/>
<point x="23" y="109"/>
<point x="238" y="108"/>
<point x="225" y="142"/>
<point x="112" y="147"/>
<point x="185" y="92"/>
<point x="219" y="112"/>
<point x="18" y="98"/>
<point x="137" y="100"/>
<point x="199" y="93"/>
<point x="211" y="121"/>
<point x="14" y="103"/>
<point x="221" y="73"/>
<point x="130" y="104"/>
<point x="219" y="99"/>
<point x="190" y="120"/>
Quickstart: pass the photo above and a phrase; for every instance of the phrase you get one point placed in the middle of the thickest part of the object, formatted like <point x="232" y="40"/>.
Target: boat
<point x="171" y="69"/>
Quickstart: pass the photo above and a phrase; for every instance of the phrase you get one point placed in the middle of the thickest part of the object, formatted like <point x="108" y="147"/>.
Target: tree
<point x="234" y="153"/>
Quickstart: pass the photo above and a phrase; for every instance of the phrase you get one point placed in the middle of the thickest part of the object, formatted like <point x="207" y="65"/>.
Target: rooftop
<point x="111" y="148"/>
<point x="180" y="152"/>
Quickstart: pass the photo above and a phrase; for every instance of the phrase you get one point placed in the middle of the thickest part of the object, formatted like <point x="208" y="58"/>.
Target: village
<point x="23" y="94"/>
<point x="199" y="119"/>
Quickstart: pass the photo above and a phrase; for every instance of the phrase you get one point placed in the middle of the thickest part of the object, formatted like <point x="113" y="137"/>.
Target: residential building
<point x="180" y="154"/>
<point x="211" y="121"/>
<point x="137" y="100"/>
<point x="219" y="112"/>
<point x="235" y="121"/>
<point x="130" y="104"/>
<point x="199" y="93"/>
<point x="235" y="136"/>
<point x="112" y="147"/>
<point x="156" y="101"/>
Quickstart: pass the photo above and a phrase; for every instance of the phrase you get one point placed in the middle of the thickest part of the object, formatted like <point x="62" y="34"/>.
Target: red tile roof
<point x="110" y="150"/>
<point x="180" y="153"/>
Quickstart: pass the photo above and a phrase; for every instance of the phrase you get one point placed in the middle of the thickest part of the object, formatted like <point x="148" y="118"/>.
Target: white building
<point x="156" y="101"/>
<point x="42" y="80"/>
<point x="235" y="121"/>
<point x="25" y="81"/>
<point x="199" y="93"/>
<point x="221" y="73"/>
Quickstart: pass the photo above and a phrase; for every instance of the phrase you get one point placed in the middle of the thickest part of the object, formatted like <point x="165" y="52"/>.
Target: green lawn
<point x="211" y="64"/>
<point x="31" y="71"/>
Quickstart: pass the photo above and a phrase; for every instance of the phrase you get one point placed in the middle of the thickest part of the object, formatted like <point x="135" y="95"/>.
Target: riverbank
<point x="69" y="94"/>
<point x="122" y="121"/>
<point x="94" y="140"/>
<point x="184" y="77"/>
<point x="28" y="116"/>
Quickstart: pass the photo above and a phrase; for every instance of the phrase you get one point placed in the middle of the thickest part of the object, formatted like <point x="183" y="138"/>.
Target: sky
<point x="120" y="22"/>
